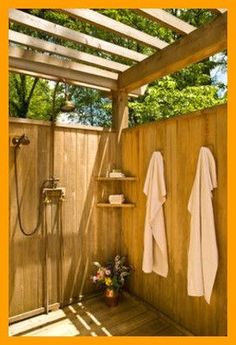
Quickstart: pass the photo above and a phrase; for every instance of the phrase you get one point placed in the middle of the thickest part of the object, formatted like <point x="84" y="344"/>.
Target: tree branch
<point x="32" y="91"/>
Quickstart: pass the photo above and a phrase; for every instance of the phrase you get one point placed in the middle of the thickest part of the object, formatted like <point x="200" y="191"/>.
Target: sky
<point x="219" y="74"/>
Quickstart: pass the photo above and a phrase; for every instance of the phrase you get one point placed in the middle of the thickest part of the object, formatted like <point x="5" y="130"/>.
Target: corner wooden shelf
<point x="124" y="205"/>
<point x="128" y="178"/>
<point x="107" y="179"/>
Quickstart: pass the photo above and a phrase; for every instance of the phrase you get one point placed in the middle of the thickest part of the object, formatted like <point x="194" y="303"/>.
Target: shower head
<point x="20" y="140"/>
<point x="68" y="106"/>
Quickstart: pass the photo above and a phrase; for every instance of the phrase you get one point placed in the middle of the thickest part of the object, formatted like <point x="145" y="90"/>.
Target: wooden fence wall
<point x="179" y="139"/>
<point x="89" y="233"/>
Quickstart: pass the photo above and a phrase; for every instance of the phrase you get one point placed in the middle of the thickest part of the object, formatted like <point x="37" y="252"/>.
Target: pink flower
<point x="94" y="279"/>
<point x="100" y="274"/>
<point x="107" y="272"/>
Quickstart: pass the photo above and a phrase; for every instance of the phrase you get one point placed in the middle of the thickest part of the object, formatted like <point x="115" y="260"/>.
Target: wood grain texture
<point x="91" y="233"/>
<point x="56" y="30"/>
<point x="207" y="40"/>
<point x="115" y="26"/>
<point x="26" y="254"/>
<point x="92" y="317"/>
<point x="27" y="55"/>
<point x="179" y="139"/>
<point x="54" y="68"/>
<point x="166" y="19"/>
<point x="57" y="49"/>
<point x="88" y="233"/>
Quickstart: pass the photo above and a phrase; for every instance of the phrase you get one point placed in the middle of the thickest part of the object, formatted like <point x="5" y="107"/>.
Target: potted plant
<point x="111" y="278"/>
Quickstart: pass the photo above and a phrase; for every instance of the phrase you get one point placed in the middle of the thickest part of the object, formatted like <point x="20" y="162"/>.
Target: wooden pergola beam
<point x="56" y="30"/>
<point x="62" y="73"/>
<point x="105" y="90"/>
<point x="198" y="45"/>
<point x="55" y="78"/>
<point x="109" y="24"/>
<point x="25" y="54"/>
<point x="120" y="119"/>
<point x="43" y="66"/>
<point x="36" y="62"/>
<point x="166" y="19"/>
<point x="218" y="10"/>
<point x="57" y="49"/>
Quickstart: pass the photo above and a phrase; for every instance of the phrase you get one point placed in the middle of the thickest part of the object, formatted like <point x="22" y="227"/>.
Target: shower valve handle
<point x="53" y="180"/>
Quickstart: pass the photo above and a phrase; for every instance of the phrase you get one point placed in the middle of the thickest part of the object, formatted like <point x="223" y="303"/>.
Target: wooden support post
<point x="119" y="118"/>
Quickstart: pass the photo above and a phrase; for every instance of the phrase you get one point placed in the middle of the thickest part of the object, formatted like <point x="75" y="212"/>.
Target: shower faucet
<point x="53" y="181"/>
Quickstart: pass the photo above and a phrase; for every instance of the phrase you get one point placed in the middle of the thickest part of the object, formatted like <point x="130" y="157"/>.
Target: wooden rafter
<point x="198" y="44"/>
<point x="62" y="73"/>
<point x="167" y="20"/>
<point x="54" y="78"/>
<point x="25" y="54"/>
<point x="42" y="66"/>
<point x="201" y="43"/>
<point x="46" y="64"/>
<point x="218" y="10"/>
<point x="115" y="26"/>
<point x="72" y="35"/>
<point x="57" y="49"/>
<point x="105" y="90"/>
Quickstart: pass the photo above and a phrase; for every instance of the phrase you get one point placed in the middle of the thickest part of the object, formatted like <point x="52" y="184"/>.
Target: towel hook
<point x="210" y="146"/>
<point x="206" y="139"/>
<point x="206" y="128"/>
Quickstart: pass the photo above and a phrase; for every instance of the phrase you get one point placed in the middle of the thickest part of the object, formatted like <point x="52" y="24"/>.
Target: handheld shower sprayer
<point x="17" y="141"/>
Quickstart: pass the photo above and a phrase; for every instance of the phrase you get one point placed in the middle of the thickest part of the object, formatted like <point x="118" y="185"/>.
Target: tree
<point x="21" y="93"/>
<point x="29" y="97"/>
<point x="192" y="88"/>
<point x="165" y="99"/>
<point x="92" y="108"/>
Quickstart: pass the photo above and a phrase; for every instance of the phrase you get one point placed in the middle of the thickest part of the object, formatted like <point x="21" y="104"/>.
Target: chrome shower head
<point x="68" y="106"/>
<point x="20" y="140"/>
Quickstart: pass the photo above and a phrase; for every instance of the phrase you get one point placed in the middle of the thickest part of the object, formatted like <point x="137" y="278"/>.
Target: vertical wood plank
<point x="179" y="139"/>
<point x="89" y="233"/>
<point x="26" y="259"/>
<point x="120" y="115"/>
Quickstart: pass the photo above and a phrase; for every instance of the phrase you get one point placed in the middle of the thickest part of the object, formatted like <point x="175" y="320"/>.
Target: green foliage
<point x="165" y="99"/>
<point x="29" y="97"/>
<point x="195" y="17"/>
<point x="92" y="108"/>
<point x="187" y="90"/>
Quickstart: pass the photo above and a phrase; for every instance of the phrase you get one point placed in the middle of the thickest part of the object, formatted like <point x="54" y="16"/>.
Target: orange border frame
<point x="4" y="6"/>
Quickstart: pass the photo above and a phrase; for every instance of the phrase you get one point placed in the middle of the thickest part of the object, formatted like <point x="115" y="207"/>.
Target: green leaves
<point x="187" y="90"/>
<point x="165" y="99"/>
<point x="29" y="97"/>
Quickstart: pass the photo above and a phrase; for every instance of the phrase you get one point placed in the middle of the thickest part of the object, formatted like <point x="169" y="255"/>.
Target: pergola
<point x="56" y="62"/>
<point x="52" y="269"/>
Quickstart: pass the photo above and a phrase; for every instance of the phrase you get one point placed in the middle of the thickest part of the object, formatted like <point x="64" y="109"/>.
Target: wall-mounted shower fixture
<point x="53" y="182"/>
<point x="17" y="141"/>
<point x="53" y="195"/>
<point x="68" y="105"/>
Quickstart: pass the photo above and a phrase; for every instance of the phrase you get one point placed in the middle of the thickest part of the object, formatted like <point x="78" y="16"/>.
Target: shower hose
<point x="40" y="208"/>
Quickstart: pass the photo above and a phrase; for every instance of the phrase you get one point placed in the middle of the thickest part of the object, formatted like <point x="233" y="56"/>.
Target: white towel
<point x="155" y="248"/>
<point x="203" y="254"/>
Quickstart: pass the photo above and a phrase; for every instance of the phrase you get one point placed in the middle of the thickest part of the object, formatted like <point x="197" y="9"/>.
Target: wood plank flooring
<point x="132" y="317"/>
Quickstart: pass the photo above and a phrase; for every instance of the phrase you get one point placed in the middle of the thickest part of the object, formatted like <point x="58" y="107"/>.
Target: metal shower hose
<point x="40" y="208"/>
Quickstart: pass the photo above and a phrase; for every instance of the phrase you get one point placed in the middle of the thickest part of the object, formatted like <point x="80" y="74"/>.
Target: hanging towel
<point x="203" y="254"/>
<point x="155" y="249"/>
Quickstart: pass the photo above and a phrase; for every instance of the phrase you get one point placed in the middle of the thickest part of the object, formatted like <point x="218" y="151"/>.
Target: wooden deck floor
<point x="92" y="317"/>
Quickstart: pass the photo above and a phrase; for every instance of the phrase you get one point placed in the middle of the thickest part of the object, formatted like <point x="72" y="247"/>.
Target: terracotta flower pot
<point x="111" y="297"/>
